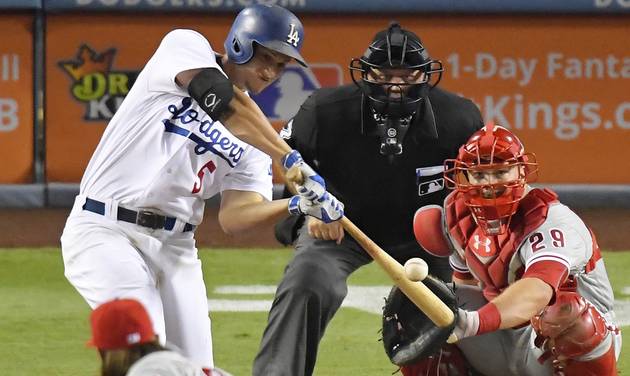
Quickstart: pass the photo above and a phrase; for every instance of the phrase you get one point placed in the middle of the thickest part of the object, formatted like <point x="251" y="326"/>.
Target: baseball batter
<point x="532" y="287"/>
<point x="173" y="144"/>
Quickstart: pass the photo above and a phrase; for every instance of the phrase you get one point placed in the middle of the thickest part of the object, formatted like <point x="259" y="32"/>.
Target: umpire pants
<point x="312" y="290"/>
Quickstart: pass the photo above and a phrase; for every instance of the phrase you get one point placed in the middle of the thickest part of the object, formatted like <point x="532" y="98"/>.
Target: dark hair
<point x="117" y="362"/>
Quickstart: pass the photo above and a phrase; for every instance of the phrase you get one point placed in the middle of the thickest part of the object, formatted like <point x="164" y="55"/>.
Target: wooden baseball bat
<point x="417" y="292"/>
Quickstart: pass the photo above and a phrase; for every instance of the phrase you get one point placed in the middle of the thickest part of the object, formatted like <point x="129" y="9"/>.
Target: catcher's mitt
<point x="408" y="334"/>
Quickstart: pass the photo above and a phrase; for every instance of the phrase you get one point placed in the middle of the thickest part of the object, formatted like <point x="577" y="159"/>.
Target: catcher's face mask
<point x="492" y="171"/>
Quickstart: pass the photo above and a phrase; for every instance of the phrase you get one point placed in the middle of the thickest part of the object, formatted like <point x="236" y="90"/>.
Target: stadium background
<point x="555" y="72"/>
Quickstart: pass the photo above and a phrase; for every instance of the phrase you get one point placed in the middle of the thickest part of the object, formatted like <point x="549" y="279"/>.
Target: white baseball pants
<point x="106" y="259"/>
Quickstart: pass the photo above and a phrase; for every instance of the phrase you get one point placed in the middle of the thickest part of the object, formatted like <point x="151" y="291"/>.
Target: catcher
<point x="529" y="279"/>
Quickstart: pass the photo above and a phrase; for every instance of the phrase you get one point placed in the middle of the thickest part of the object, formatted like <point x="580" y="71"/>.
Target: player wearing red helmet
<point x="532" y="287"/>
<point x="492" y="171"/>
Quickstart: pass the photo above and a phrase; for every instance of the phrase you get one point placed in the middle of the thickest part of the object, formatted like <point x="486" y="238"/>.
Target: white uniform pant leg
<point x="185" y="301"/>
<point x="102" y="264"/>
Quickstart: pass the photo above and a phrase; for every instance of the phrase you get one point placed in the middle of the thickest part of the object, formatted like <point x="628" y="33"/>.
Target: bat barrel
<point x="417" y="292"/>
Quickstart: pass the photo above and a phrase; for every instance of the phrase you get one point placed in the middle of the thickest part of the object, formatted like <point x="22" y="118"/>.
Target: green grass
<point x="44" y="322"/>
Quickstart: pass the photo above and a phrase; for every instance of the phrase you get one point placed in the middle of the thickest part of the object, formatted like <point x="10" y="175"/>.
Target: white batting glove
<point x="467" y="324"/>
<point x="313" y="187"/>
<point x="326" y="208"/>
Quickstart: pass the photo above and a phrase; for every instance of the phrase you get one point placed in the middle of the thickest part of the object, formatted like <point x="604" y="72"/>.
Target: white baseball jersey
<point x="161" y="151"/>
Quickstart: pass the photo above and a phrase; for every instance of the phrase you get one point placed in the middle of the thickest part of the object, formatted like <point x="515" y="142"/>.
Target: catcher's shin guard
<point x="571" y="330"/>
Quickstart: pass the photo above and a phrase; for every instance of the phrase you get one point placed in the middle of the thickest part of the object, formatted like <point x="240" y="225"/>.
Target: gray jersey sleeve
<point x="562" y="238"/>
<point x="458" y="263"/>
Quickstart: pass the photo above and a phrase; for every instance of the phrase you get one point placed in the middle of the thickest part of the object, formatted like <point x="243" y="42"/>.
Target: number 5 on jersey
<point x="211" y="167"/>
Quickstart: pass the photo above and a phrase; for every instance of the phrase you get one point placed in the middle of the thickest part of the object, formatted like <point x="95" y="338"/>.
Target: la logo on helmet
<point x="293" y="37"/>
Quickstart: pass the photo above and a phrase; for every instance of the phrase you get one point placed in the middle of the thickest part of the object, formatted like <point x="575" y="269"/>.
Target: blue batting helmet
<point x="268" y="25"/>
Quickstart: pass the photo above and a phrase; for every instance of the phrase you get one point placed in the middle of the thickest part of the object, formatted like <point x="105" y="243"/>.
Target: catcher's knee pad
<point x="571" y="327"/>
<point x="449" y="361"/>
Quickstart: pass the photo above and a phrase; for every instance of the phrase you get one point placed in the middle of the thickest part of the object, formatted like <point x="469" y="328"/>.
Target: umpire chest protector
<point x="381" y="193"/>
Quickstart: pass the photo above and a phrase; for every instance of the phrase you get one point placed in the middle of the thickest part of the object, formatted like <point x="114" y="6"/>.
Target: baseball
<point x="416" y="269"/>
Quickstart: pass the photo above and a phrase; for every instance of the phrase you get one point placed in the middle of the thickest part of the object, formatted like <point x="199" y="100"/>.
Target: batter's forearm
<point x="522" y="300"/>
<point x="248" y="123"/>
<point x="242" y="218"/>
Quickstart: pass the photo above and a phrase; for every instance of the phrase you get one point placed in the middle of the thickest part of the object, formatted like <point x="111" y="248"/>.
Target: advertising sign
<point x="559" y="82"/>
<point x="16" y="99"/>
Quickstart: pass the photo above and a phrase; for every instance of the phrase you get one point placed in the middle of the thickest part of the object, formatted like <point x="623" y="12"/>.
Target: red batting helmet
<point x="492" y="203"/>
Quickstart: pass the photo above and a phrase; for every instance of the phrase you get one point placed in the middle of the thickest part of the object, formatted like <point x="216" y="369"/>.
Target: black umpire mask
<point x="396" y="73"/>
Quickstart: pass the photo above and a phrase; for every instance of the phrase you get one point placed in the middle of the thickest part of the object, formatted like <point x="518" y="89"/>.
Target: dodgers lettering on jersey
<point x="215" y="141"/>
<point x="161" y="151"/>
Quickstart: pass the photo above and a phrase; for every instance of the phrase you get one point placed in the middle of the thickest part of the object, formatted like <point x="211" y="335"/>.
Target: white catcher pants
<point x="106" y="259"/>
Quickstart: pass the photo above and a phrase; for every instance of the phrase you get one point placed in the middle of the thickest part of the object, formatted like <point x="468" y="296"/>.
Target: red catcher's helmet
<point x="491" y="203"/>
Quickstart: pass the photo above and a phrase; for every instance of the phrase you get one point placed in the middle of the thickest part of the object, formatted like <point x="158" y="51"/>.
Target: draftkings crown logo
<point x="95" y="84"/>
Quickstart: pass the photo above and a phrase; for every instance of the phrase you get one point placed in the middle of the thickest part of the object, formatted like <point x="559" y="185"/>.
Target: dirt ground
<point x="42" y="227"/>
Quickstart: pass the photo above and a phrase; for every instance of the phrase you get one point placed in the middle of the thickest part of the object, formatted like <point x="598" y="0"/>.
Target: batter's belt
<point x="143" y="218"/>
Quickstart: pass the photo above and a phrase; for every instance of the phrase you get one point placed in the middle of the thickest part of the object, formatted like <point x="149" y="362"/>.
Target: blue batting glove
<point x="313" y="187"/>
<point x="327" y="208"/>
<point x="291" y="158"/>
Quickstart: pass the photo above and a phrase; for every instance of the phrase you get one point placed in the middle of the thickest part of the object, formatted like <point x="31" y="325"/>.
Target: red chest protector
<point x="488" y="257"/>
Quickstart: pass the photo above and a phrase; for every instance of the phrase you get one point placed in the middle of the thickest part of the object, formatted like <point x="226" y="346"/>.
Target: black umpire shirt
<point x="381" y="194"/>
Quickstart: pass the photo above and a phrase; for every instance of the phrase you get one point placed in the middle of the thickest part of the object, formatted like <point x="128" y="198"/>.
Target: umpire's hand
<point x="325" y="231"/>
